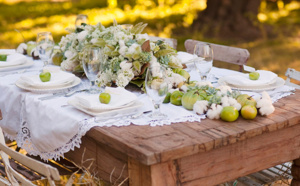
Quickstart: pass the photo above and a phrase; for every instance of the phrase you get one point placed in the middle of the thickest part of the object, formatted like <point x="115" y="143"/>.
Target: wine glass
<point x="44" y="46"/>
<point x="81" y="18"/>
<point x="157" y="88"/>
<point x="203" y="59"/>
<point x="91" y="66"/>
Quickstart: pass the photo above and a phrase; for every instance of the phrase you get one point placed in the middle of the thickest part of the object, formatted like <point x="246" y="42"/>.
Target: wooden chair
<point x="172" y="42"/>
<point x="15" y="178"/>
<point x="237" y="56"/>
<point x="292" y="74"/>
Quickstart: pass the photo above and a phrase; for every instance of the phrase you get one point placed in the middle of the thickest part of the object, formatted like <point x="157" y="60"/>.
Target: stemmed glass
<point x="44" y="46"/>
<point x="91" y="66"/>
<point x="81" y="18"/>
<point x="157" y="88"/>
<point x="203" y="59"/>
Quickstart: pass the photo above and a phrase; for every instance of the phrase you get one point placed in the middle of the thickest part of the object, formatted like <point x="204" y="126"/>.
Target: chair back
<point x="13" y="177"/>
<point x="172" y="42"/>
<point x="292" y="74"/>
<point x="237" y="56"/>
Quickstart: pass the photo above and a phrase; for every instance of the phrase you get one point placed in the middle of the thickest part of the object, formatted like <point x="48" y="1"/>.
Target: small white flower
<point x="142" y="37"/>
<point x="265" y="104"/>
<point x="21" y="48"/>
<point x="203" y="83"/>
<point x="224" y="89"/>
<point x="200" y="107"/>
<point x="214" y="111"/>
<point x="125" y="65"/>
<point x="81" y="36"/>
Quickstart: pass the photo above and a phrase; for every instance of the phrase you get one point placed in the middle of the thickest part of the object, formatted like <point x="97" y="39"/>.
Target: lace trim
<point x="23" y="139"/>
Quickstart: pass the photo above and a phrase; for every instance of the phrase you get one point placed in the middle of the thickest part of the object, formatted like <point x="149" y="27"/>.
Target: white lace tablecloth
<point x="50" y="128"/>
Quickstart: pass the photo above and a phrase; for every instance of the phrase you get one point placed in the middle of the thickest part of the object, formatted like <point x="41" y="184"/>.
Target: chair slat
<point x="237" y="56"/>
<point x="292" y="74"/>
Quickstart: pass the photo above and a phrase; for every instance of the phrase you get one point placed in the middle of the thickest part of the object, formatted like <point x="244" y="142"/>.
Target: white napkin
<point x="57" y="79"/>
<point x="7" y="51"/>
<point x="185" y="57"/>
<point x="120" y="98"/>
<point x="13" y="59"/>
<point x="266" y="77"/>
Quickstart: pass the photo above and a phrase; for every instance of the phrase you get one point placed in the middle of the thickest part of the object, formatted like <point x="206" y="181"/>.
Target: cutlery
<point x="68" y="94"/>
<point x="125" y="116"/>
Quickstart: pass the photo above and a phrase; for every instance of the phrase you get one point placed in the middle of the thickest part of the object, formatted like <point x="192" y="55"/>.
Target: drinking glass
<point x="157" y="88"/>
<point x="81" y="18"/>
<point x="203" y="59"/>
<point x="44" y="46"/>
<point x="91" y="66"/>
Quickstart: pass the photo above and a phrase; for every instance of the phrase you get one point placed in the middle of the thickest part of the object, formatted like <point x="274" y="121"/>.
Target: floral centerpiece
<point x="126" y="53"/>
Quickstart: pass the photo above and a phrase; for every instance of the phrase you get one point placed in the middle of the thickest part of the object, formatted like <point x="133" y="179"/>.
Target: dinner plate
<point x="278" y="82"/>
<point x="110" y="113"/>
<point x="21" y="84"/>
<point x="28" y="63"/>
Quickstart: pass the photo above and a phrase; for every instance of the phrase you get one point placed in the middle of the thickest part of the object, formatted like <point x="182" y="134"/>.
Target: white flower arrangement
<point x="126" y="53"/>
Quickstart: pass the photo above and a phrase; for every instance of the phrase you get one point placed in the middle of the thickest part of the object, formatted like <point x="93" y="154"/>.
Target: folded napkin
<point x="120" y="98"/>
<point x="57" y="79"/>
<point x="185" y="57"/>
<point x="7" y="51"/>
<point x="12" y="60"/>
<point x="266" y="77"/>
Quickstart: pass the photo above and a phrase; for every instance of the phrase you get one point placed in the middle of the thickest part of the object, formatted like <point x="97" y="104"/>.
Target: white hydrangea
<point x="142" y="37"/>
<point x="200" y="107"/>
<point x="123" y="48"/>
<point x="223" y="90"/>
<point x="125" y="66"/>
<point x="124" y="77"/>
<point x="265" y="104"/>
<point x="203" y="83"/>
<point x="230" y="101"/>
<point x="174" y="79"/>
<point x="214" y="111"/>
<point x="82" y="35"/>
<point x="175" y="62"/>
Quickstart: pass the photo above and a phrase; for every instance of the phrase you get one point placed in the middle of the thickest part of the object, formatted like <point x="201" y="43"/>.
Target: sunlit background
<point x="165" y="18"/>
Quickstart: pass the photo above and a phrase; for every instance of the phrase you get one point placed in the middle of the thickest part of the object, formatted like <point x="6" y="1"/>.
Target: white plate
<point x="22" y="85"/>
<point x="277" y="83"/>
<point x="28" y="63"/>
<point x="108" y="114"/>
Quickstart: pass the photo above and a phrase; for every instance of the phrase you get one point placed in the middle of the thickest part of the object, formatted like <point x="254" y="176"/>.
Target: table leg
<point x="296" y="172"/>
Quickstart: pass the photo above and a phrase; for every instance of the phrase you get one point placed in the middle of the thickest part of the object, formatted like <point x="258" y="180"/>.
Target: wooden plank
<point x="107" y="163"/>
<point x="232" y="162"/>
<point x="139" y="174"/>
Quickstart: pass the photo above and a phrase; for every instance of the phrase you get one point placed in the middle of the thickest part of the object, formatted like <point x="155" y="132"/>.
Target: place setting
<point x="50" y="80"/>
<point x="11" y="60"/>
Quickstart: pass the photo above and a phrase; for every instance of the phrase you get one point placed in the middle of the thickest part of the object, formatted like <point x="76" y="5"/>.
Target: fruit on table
<point x="3" y="57"/>
<point x="245" y="99"/>
<point x="57" y="58"/>
<point x="189" y="99"/>
<point x="183" y="73"/>
<point x="175" y="98"/>
<point x="30" y="45"/>
<point x="254" y="75"/>
<point x="248" y="112"/>
<point x="104" y="98"/>
<point x="45" y="76"/>
<point x="167" y="98"/>
<point x="229" y="114"/>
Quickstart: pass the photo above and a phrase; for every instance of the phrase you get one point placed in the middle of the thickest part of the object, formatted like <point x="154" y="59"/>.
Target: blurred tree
<point x="230" y="19"/>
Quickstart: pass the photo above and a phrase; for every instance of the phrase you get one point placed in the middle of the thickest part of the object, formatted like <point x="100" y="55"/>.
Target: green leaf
<point x="164" y="52"/>
<point x="138" y="28"/>
<point x="138" y="82"/>
<point x="100" y="42"/>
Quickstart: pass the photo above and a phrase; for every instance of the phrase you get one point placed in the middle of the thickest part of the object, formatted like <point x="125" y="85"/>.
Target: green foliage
<point x="138" y="28"/>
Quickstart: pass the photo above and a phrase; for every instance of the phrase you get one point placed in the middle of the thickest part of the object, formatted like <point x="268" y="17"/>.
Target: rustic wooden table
<point x="206" y="153"/>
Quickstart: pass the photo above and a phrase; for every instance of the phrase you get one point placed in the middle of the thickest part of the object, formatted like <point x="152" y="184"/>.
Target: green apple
<point x="104" y="98"/>
<point x="245" y="99"/>
<point x="57" y="58"/>
<point x="45" y="76"/>
<point x="183" y="73"/>
<point x="175" y="98"/>
<point x="3" y="57"/>
<point x="254" y="75"/>
<point x="30" y="45"/>
<point x="167" y="98"/>
<point x="229" y="114"/>
<point x="248" y="112"/>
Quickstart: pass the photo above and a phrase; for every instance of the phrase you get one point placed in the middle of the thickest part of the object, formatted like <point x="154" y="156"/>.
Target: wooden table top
<point x="152" y="145"/>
